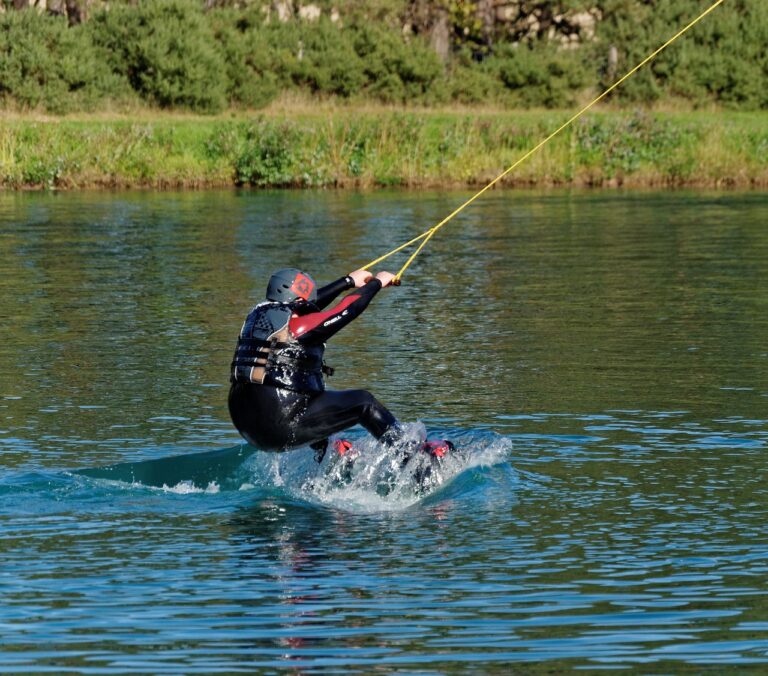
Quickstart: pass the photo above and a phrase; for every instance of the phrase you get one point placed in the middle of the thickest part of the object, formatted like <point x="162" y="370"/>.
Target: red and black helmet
<point x="289" y="284"/>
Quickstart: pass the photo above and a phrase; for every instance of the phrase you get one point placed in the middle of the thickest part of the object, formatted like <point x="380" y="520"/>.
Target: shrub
<point x="322" y="57"/>
<point x="327" y="63"/>
<point x="264" y="57"/>
<point x="174" y="54"/>
<point x="46" y="64"/>
<point x="540" y="75"/>
<point x="266" y="156"/>
<point x="620" y="146"/>
<point x="472" y="82"/>
<point x="722" y="59"/>
<point x="395" y="70"/>
<point x="251" y="78"/>
<point x="167" y="52"/>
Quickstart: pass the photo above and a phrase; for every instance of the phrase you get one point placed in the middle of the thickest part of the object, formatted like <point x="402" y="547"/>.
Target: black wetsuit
<point x="288" y="405"/>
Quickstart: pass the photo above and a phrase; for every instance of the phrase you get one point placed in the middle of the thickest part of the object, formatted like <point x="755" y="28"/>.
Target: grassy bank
<point x="372" y="148"/>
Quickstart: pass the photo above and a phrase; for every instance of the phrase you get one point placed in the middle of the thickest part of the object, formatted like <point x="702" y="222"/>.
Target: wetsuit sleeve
<point x="317" y="327"/>
<point x="328" y="292"/>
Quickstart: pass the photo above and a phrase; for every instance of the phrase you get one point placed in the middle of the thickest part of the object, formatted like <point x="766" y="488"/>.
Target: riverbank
<point x="377" y="148"/>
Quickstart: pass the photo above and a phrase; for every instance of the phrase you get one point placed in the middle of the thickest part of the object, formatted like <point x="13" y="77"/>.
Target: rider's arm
<point x="327" y="293"/>
<point x="357" y="279"/>
<point x="317" y="327"/>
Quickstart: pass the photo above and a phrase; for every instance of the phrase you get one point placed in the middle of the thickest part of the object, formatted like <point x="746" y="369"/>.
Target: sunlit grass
<point x="328" y="145"/>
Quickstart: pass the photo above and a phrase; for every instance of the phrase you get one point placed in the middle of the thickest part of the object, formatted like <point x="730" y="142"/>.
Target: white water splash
<point x="187" y="488"/>
<point x="376" y="480"/>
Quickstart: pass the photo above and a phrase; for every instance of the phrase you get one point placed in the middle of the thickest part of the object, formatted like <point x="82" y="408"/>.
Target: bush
<point x="621" y="145"/>
<point x="538" y="75"/>
<point x="251" y="78"/>
<point x="722" y="59"/>
<point x="323" y="59"/>
<point x="264" y="57"/>
<point x="395" y="70"/>
<point x="46" y="64"/>
<point x="266" y="156"/>
<point x="173" y="54"/>
<point x="167" y="52"/>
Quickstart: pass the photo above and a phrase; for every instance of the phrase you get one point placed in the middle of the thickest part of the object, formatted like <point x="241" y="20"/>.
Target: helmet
<point x="289" y="284"/>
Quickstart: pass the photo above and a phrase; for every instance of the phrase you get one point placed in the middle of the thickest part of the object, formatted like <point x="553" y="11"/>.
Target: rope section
<point x="427" y="234"/>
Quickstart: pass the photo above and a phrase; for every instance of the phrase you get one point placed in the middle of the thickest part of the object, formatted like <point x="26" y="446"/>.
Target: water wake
<point x="377" y="480"/>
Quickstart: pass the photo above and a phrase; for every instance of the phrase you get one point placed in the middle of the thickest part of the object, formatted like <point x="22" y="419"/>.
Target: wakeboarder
<point x="277" y="398"/>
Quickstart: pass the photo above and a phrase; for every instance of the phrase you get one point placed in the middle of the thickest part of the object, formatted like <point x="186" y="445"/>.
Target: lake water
<point x="600" y="357"/>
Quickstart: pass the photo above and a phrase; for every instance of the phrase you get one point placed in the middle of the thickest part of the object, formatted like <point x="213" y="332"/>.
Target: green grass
<point x="372" y="148"/>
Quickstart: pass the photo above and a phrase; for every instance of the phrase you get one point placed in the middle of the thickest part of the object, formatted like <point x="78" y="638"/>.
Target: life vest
<point x="268" y="354"/>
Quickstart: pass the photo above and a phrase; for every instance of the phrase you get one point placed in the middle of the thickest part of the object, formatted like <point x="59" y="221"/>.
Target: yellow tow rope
<point x="427" y="234"/>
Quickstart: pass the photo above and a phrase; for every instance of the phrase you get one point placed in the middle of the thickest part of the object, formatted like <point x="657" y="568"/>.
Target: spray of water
<point x="375" y="477"/>
<point x="371" y="478"/>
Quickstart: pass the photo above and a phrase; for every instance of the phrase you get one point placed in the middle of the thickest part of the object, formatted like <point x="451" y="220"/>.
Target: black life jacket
<point x="268" y="354"/>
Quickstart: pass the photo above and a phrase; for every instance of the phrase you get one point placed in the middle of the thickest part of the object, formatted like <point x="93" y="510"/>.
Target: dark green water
<point x="602" y="358"/>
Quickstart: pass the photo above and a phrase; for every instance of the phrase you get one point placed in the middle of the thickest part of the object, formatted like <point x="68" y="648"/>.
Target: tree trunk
<point x="440" y="34"/>
<point x="77" y="11"/>
<point x="486" y="12"/>
<point x="433" y="20"/>
<point x="284" y="10"/>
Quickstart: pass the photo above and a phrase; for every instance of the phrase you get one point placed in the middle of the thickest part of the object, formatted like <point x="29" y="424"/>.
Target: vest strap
<point x="258" y="342"/>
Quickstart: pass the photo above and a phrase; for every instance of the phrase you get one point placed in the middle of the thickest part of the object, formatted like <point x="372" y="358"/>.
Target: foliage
<point x="320" y="57"/>
<point x="323" y="58"/>
<point x="722" y="59"/>
<point x="45" y="64"/>
<point x="539" y="76"/>
<point x="621" y="146"/>
<point x="165" y="51"/>
<point x="388" y="148"/>
<point x="395" y="71"/>
<point x="266" y="155"/>
<point x="237" y="53"/>
<point x="252" y="80"/>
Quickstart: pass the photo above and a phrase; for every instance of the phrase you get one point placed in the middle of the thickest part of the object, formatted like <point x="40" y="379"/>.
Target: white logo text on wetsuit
<point x="335" y="319"/>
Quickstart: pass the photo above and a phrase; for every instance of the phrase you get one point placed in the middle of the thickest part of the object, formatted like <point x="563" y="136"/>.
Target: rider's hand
<point x="385" y="278"/>
<point x="360" y="277"/>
